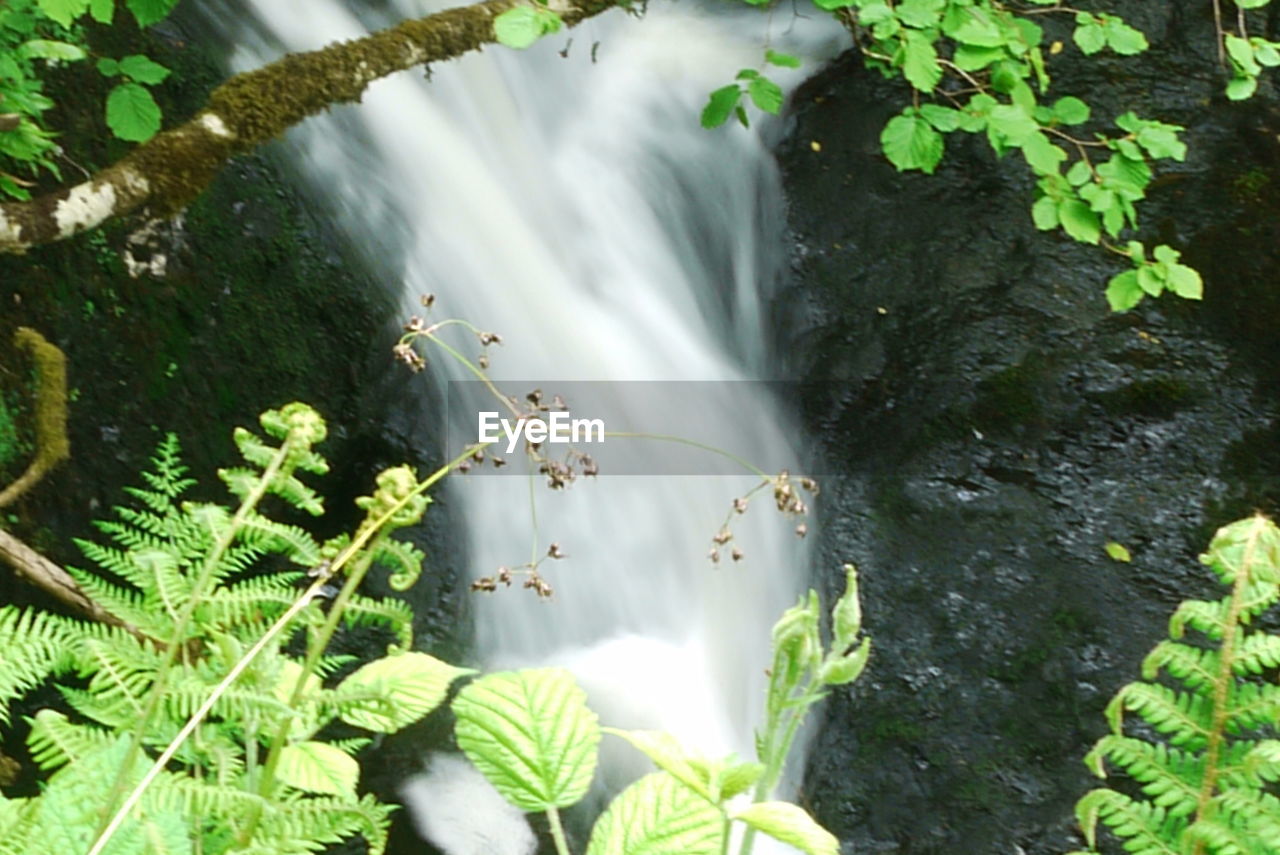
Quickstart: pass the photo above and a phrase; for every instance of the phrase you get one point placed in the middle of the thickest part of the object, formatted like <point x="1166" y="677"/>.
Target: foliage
<point x="1204" y="749"/>
<point x="203" y="654"/>
<point x="983" y="67"/>
<point x="36" y="35"/>
<point x="531" y="734"/>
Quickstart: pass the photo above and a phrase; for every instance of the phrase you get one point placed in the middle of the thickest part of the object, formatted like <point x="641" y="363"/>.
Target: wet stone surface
<point x="988" y="427"/>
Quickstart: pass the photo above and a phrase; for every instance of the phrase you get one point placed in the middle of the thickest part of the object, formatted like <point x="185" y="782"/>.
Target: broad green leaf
<point x="531" y="734"/>
<point x="1117" y="552"/>
<point x="737" y="778"/>
<point x="148" y="12"/>
<point x="720" y="105"/>
<point x="1013" y="123"/>
<point x="974" y="58"/>
<point x="102" y="11"/>
<point x="1079" y="221"/>
<point x="1124" y="39"/>
<point x="143" y="70"/>
<point x="921" y="14"/>
<point x="945" y="119"/>
<point x="765" y="94"/>
<point x="132" y="114"/>
<point x="1043" y="156"/>
<point x="1185" y="282"/>
<point x="1241" y="53"/>
<point x="1123" y="292"/>
<point x="784" y="60"/>
<point x="670" y="756"/>
<point x="1071" y="111"/>
<point x="920" y="62"/>
<point x="522" y="26"/>
<point x="46" y="49"/>
<point x="1242" y="88"/>
<point x="1090" y="37"/>
<point x="1045" y="213"/>
<point x="977" y="27"/>
<point x="108" y="67"/>
<point x="318" y="767"/>
<point x="1079" y="173"/>
<point x="400" y="689"/>
<point x="792" y="825"/>
<point x="1267" y="53"/>
<point x="910" y="142"/>
<point x="1252" y="4"/>
<point x="830" y="5"/>
<point x="63" y="11"/>
<point x="657" y="815"/>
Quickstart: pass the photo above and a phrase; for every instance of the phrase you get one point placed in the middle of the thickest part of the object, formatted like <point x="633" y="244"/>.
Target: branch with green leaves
<point x="38" y="35"/>
<point x="532" y="735"/>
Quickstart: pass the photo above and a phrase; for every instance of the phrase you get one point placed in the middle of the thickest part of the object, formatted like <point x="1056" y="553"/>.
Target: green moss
<point x="1010" y="397"/>
<point x="1248" y="185"/>
<point x="1160" y="397"/>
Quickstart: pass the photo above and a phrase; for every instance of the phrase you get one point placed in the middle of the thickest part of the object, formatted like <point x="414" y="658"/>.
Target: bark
<point x="51" y="578"/>
<point x="163" y="175"/>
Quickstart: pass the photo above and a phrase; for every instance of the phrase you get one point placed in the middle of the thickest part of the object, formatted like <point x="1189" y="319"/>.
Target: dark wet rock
<point x="988" y="427"/>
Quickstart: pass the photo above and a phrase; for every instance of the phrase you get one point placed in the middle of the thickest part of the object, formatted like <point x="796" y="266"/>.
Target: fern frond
<point x="293" y="542"/>
<point x="351" y="746"/>
<point x="1196" y="667"/>
<point x="127" y="605"/>
<point x="250" y="602"/>
<point x="1183" y="717"/>
<point x="55" y="741"/>
<point x="35" y="646"/>
<point x="1253" y="705"/>
<point x="1145" y="828"/>
<point x="403" y="559"/>
<point x="308" y="824"/>
<point x="1256" y="813"/>
<point x="394" y="614"/>
<point x="1172" y="778"/>
<point x="1256" y="653"/>
<point x="1209" y="784"/>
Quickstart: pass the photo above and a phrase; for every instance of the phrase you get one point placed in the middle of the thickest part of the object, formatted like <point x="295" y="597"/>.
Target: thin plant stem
<point x="557" y="832"/>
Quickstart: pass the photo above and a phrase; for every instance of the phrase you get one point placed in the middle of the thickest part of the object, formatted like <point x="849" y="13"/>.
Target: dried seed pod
<point x="802" y="530"/>
<point x="737" y="554"/>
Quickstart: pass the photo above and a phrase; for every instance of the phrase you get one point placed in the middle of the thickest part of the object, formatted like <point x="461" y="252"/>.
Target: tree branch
<point x="50" y="578"/>
<point x="164" y="174"/>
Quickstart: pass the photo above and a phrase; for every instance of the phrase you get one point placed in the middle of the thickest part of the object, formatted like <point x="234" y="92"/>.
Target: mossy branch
<point x="52" y="445"/>
<point x="165" y="174"/>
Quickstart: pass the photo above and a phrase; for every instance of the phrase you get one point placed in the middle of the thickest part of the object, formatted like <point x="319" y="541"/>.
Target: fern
<point x="36" y="647"/>
<point x="1206" y="780"/>
<point x="189" y="581"/>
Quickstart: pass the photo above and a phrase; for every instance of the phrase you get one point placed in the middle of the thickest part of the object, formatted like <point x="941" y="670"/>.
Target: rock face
<point x="988" y="427"/>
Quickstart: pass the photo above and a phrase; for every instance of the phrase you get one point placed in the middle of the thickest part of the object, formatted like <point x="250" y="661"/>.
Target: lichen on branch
<point x="165" y="174"/>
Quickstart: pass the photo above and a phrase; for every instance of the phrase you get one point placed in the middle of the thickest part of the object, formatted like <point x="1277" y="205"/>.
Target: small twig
<point x="1217" y="23"/>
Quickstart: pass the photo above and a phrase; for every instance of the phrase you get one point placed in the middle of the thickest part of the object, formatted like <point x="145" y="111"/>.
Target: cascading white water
<point x="574" y="205"/>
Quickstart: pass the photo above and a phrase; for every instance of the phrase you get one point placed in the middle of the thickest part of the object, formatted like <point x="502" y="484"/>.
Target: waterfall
<point x="573" y="204"/>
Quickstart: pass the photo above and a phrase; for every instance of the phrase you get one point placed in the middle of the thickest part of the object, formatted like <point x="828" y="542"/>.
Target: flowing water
<point x="573" y="204"/>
